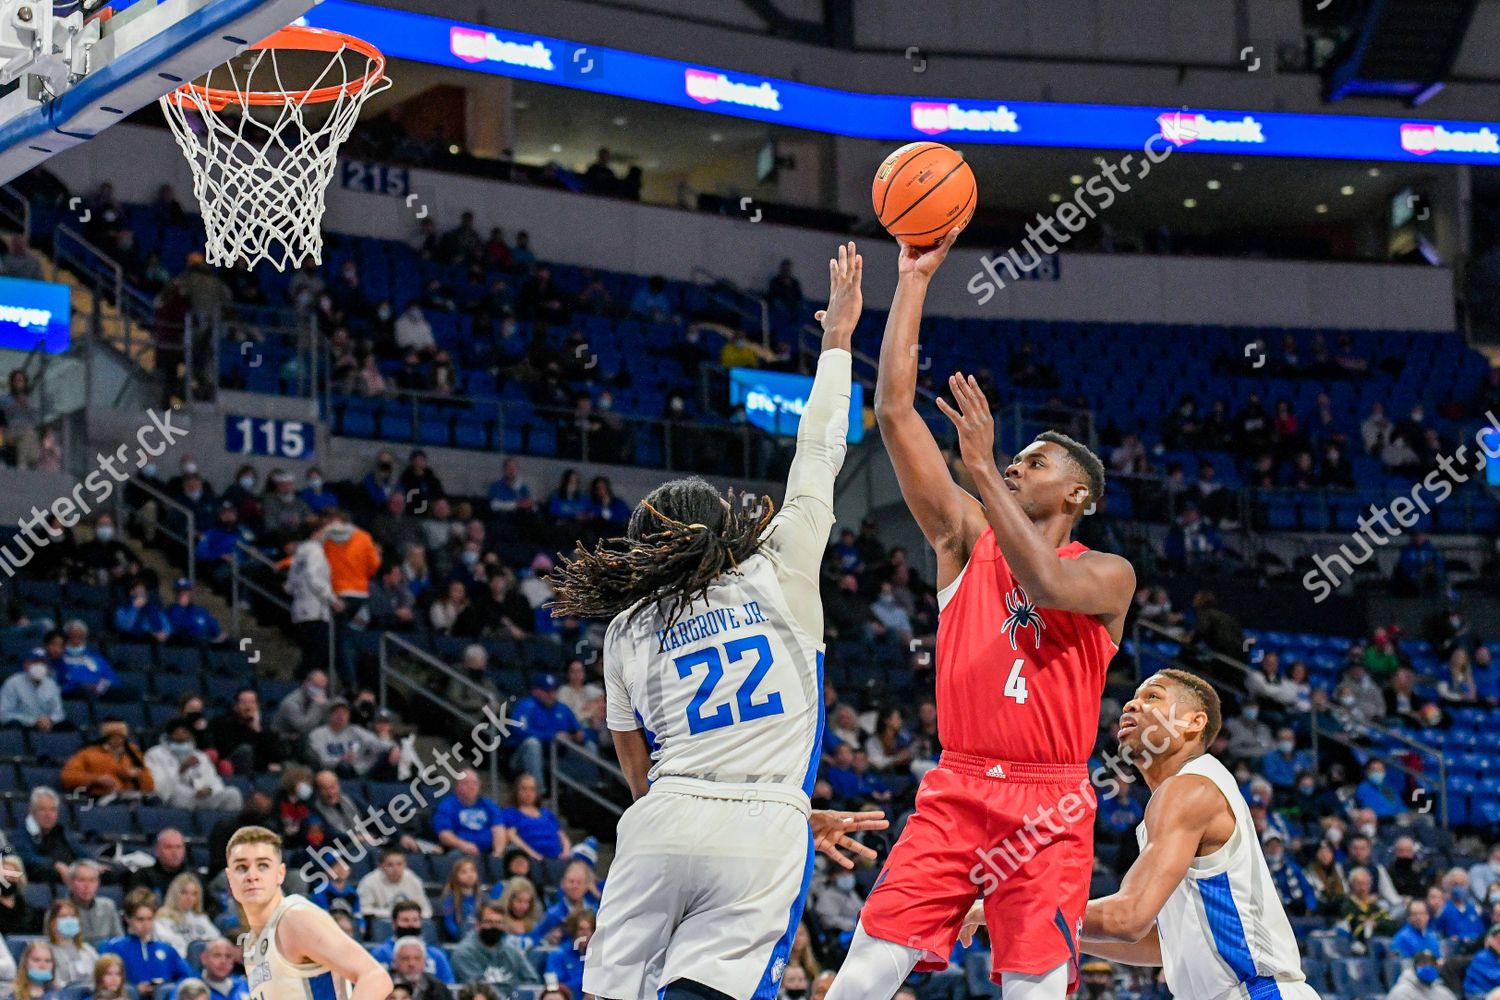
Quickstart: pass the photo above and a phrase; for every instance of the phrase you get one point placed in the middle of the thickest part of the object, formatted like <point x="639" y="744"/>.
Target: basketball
<point x="922" y="191"/>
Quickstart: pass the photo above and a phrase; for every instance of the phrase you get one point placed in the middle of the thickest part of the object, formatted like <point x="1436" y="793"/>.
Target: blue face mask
<point x="1427" y="973"/>
<point x="39" y="975"/>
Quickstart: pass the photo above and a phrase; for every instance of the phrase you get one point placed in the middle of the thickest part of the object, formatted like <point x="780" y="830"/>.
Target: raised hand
<point x="845" y="298"/>
<point x="976" y="428"/>
<point x="831" y="829"/>
<point x="924" y="261"/>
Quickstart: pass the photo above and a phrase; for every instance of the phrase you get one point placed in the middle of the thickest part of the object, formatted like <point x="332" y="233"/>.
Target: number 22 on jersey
<point x="744" y="700"/>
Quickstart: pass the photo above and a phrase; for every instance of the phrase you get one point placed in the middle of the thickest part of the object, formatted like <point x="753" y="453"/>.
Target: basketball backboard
<point x="77" y="75"/>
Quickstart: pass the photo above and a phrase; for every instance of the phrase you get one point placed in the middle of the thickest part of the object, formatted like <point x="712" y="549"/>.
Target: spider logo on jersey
<point x="1023" y="614"/>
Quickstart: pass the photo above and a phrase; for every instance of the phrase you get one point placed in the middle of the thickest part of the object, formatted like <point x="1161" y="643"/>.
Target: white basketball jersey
<point x="271" y="976"/>
<point x="732" y="693"/>
<point x="1223" y="931"/>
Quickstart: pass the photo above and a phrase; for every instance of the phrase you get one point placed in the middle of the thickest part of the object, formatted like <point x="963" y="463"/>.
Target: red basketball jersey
<point x="1015" y="681"/>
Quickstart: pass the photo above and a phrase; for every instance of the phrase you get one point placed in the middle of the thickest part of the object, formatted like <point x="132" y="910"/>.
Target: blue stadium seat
<point x="154" y="819"/>
<point x="38" y="895"/>
<point x="1356" y="977"/>
<point x="172" y="687"/>
<point x="12" y="743"/>
<point x="33" y="776"/>
<point x="56" y="747"/>
<point x="180" y="659"/>
<point x="79" y="713"/>
<point x="106" y="822"/>
<point x="132" y="655"/>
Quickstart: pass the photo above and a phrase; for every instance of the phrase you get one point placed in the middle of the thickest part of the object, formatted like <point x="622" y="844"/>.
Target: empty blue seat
<point x="1356" y="976"/>
<point x="56" y="747"/>
<point x="105" y="822"/>
<point x="153" y="819"/>
<point x="180" y="659"/>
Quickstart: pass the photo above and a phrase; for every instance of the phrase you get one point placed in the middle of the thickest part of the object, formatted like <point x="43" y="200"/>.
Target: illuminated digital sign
<point x="443" y="42"/>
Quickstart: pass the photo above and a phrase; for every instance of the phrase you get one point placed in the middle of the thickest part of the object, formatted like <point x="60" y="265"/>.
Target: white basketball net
<point x="261" y="182"/>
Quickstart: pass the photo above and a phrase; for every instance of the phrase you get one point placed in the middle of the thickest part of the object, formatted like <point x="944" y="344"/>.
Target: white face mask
<point x="104" y="533"/>
<point x="182" y="749"/>
<point x="304" y="790"/>
<point x="38" y="671"/>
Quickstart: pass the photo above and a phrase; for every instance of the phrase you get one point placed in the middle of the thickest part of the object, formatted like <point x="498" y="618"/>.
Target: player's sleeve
<point x="619" y="714"/>
<point x="799" y="532"/>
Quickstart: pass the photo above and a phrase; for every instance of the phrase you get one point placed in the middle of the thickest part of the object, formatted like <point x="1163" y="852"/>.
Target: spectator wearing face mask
<point x="74" y="956"/>
<point x="1461" y="918"/>
<point x="1282" y="764"/>
<point x="185" y="778"/>
<point x="1248" y="734"/>
<point x="31" y="699"/>
<point x="1409" y="869"/>
<point x="794" y="983"/>
<point x="483" y="956"/>
<point x="837" y="903"/>
<point x="1416" y="935"/>
<point x="302" y="711"/>
<point x="316" y="494"/>
<point x="1376" y="792"/>
<point x="1296" y="892"/>
<point x="1421" y="981"/>
<point x="80" y="669"/>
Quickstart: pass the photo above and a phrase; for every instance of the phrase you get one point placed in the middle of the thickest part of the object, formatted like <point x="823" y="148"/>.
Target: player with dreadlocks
<point x="715" y="654"/>
<point x="1028" y="622"/>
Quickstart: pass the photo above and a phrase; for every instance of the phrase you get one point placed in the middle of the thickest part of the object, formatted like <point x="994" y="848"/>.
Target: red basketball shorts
<point x="1020" y="835"/>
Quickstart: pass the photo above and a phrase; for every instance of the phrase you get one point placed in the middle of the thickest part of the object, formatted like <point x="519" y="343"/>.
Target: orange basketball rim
<point x="292" y="38"/>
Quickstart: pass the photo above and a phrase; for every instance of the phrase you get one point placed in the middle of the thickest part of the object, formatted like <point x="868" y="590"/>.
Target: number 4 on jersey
<point x="1015" y="684"/>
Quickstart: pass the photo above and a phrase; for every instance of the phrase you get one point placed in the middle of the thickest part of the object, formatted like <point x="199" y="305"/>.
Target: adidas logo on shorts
<point x="995" y="772"/>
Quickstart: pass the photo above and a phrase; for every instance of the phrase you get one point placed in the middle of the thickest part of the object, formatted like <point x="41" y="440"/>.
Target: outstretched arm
<point x="1098" y="583"/>
<point x="799" y="532"/>
<point x="831" y="830"/>
<point x="311" y="936"/>
<point x="1145" y="953"/>
<point x="950" y="519"/>
<point x="1177" y="820"/>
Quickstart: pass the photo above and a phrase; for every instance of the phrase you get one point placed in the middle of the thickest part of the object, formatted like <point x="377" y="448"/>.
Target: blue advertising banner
<point x="774" y="401"/>
<point x="462" y="45"/>
<point x="33" y="312"/>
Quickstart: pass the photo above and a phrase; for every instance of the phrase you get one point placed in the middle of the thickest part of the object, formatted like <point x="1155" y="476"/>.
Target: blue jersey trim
<point x="1263" y="988"/>
<point x="811" y="777"/>
<point x="322" y="987"/>
<point x="769" y="987"/>
<point x="1225" y="925"/>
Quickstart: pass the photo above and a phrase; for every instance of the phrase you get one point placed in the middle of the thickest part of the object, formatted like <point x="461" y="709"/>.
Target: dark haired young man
<point x="1200" y="900"/>
<point x="715" y="649"/>
<point x="1028" y="622"/>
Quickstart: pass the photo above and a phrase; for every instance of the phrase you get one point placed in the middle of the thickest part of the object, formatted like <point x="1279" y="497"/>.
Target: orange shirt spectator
<point x="353" y="557"/>
<point x="107" y="767"/>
